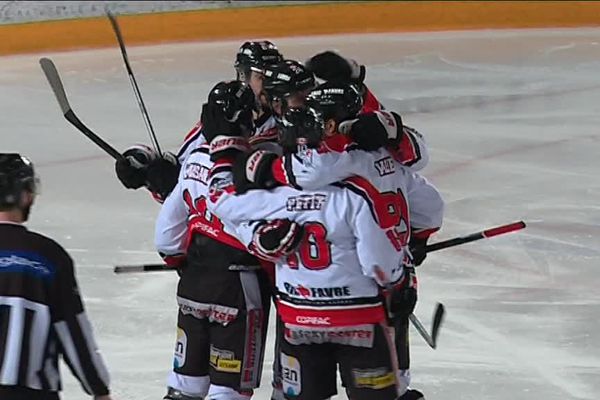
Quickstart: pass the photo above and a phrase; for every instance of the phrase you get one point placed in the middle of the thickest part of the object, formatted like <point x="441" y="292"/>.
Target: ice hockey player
<point x="41" y="312"/>
<point x="313" y="169"/>
<point x="407" y="147"/>
<point x="329" y="66"/>
<point x="328" y="285"/>
<point x="142" y="166"/>
<point x="223" y="294"/>
<point x="364" y="131"/>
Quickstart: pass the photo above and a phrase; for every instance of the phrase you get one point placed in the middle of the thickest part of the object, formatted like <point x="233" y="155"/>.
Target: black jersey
<point x="42" y="316"/>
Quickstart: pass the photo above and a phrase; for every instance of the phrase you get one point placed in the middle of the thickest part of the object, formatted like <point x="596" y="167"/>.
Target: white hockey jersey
<point x="338" y="158"/>
<point x="172" y="231"/>
<point x="334" y="278"/>
<point x="311" y="169"/>
<point x="185" y="210"/>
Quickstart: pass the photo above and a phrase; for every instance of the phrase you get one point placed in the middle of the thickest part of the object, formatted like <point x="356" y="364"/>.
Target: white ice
<point x="512" y="119"/>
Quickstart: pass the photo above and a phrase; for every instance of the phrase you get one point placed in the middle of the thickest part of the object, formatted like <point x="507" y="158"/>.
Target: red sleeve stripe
<point x="289" y="171"/>
<point x="279" y="172"/>
<point x="189" y="139"/>
<point x="157" y="197"/>
<point x="194" y="130"/>
<point x="367" y="191"/>
<point x="408" y="151"/>
<point x="370" y="102"/>
<point x="219" y="169"/>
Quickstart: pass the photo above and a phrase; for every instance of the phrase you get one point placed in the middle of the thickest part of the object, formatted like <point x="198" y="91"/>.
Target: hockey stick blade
<point x="488" y="233"/>
<point x="422" y="331"/>
<point x="438" y="318"/>
<point x="59" y="92"/>
<point x="55" y="83"/>
<point x="125" y="269"/>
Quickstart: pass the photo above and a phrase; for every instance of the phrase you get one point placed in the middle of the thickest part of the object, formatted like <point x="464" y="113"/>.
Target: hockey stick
<point x="438" y="317"/>
<point x="488" y="233"/>
<point x="59" y="91"/>
<point x="124" y="269"/>
<point x="500" y="230"/>
<point x="134" y="85"/>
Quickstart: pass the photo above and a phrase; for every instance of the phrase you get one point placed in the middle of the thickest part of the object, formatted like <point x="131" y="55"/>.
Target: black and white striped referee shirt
<point x="42" y="316"/>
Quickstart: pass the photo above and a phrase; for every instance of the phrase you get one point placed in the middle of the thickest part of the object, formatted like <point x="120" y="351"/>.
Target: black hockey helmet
<point x="337" y="101"/>
<point x="16" y="175"/>
<point x="300" y="127"/>
<point x="255" y="56"/>
<point x="235" y="98"/>
<point x="286" y="78"/>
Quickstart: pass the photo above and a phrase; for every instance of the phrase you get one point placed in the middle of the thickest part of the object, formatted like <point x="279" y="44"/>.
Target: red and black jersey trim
<point x="322" y="316"/>
<point x="283" y="171"/>
<point x="287" y="165"/>
<point x="189" y="139"/>
<point x="223" y="164"/>
<point x="408" y="151"/>
<point x="364" y="189"/>
<point x="329" y="302"/>
<point x="370" y="102"/>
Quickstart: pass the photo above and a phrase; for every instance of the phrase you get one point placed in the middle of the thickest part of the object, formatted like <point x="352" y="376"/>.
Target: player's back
<point x="332" y="275"/>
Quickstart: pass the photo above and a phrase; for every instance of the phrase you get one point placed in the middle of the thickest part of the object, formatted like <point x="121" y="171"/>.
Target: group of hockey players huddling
<point x="296" y="187"/>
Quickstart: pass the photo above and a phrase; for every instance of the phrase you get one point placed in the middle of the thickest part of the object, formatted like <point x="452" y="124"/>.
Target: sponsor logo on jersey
<point x="377" y="379"/>
<point x="180" y="349"/>
<point x="196" y="172"/>
<point x="306" y="320"/>
<point x="317" y="292"/>
<point x="385" y="166"/>
<point x="213" y="312"/>
<point x="306" y="202"/>
<point x="23" y="262"/>
<point x="291" y="375"/>
<point x="224" y="360"/>
<point x="358" y="336"/>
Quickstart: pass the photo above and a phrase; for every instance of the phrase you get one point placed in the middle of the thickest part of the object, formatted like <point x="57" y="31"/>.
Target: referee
<point x="41" y="312"/>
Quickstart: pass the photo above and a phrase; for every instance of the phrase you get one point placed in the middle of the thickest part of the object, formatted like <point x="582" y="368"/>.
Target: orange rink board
<point x="297" y="20"/>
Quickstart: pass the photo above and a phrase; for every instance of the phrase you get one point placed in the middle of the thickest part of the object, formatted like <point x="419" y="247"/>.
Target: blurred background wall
<point x="34" y="26"/>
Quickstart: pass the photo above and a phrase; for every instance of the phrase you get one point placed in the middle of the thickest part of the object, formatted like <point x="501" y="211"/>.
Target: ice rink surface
<point x="512" y="119"/>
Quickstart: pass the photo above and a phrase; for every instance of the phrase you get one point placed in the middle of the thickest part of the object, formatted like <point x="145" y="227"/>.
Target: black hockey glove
<point x="162" y="174"/>
<point x="226" y="138"/>
<point x="131" y="169"/>
<point x="374" y="130"/>
<point x="417" y="249"/>
<point x="330" y="66"/>
<point x="404" y="296"/>
<point x="253" y="171"/>
<point x="227" y="118"/>
<point x="275" y="239"/>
